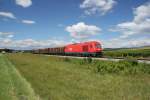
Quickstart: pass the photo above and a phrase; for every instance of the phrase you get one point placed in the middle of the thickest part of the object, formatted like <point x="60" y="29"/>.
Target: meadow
<point x="55" y="78"/>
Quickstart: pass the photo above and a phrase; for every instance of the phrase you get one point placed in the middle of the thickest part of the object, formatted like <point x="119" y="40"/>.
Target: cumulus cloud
<point x="7" y="15"/>
<point x="24" y="3"/>
<point x="97" y="6"/>
<point x="142" y="12"/>
<point x="140" y="23"/>
<point x="81" y="30"/>
<point x="28" y="22"/>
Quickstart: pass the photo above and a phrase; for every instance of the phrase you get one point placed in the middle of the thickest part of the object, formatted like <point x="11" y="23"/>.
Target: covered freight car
<point x="57" y="51"/>
<point x="54" y="51"/>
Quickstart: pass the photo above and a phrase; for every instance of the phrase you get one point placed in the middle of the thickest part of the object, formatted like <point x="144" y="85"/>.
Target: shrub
<point x="66" y="59"/>
<point x="87" y="60"/>
<point x="145" y="68"/>
<point x="122" y="67"/>
<point x="128" y="66"/>
<point x="131" y="60"/>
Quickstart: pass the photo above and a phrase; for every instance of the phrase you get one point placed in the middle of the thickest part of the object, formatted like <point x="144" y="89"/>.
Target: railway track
<point x="147" y="61"/>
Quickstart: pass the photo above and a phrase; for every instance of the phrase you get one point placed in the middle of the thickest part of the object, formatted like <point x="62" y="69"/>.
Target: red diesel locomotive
<point x="92" y="48"/>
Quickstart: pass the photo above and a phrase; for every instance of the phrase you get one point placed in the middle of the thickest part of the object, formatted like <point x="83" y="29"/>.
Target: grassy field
<point x="12" y="85"/>
<point x="133" y="52"/>
<point x="69" y="79"/>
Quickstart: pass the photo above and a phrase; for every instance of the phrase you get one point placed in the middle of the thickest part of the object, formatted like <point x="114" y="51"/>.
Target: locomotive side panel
<point x="88" y="49"/>
<point x="75" y="48"/>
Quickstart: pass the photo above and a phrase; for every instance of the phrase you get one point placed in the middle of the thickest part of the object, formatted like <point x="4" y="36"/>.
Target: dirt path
<point x="12" y="85"/>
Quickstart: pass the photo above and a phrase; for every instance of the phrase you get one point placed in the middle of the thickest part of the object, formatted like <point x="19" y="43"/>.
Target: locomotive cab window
<point x="98" y="46"/>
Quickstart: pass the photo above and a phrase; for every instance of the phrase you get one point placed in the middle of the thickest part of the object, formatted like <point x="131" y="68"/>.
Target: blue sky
<point x="27" y="24"/>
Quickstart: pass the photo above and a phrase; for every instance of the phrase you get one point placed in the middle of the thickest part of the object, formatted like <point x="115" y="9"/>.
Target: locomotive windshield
<point x="98" y="46"/>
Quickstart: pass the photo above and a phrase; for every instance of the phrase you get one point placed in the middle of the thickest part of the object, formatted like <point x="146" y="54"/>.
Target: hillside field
<point x="143" y="52"/>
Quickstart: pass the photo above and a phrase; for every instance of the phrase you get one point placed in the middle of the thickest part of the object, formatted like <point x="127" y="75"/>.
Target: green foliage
<point x="127" y="66"/>
<point x="66" y="59"/>
<point x="87" y="60"/>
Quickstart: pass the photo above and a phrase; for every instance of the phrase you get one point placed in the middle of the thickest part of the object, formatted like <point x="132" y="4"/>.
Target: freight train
<point x="91" y="48"/>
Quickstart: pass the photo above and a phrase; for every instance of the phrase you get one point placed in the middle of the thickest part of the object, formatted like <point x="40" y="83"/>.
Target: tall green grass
<point x="71" y="79"/>
<point x="12" y="85"/>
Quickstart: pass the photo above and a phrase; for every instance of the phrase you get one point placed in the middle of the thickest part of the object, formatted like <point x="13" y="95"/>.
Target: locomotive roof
<point x="85" y="42"/>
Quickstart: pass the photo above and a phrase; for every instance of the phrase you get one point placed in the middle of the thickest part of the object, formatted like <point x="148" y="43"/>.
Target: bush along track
<point x="125" y="67"/>
<point x="12" y="85"/>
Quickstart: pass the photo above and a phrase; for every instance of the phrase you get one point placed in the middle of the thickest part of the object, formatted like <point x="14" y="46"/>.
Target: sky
<point x="30" y="24"/>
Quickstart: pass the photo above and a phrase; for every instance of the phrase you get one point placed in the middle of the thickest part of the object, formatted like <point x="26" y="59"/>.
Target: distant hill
<point x="111" y="49"/>
<point x="136" y="52"/>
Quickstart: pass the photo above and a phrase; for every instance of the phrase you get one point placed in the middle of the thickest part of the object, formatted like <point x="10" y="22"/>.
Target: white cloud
<point x="97" y="6"/>
<point x="81" y="30"/>
<point x="6" y="35"/>
<point x="8" y="15"/>
<point x="24" y="3"/>
<point x="28" y="22"/>
<point x="30" y="43"/>
<point x="120" y="43"/>
<point x="10" y="36"/>
<point x="142" y="12"/>
<point x="139" y="25"/>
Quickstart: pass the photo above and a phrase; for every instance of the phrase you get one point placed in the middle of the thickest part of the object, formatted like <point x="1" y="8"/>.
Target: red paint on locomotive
<point x="86" y="47"/>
